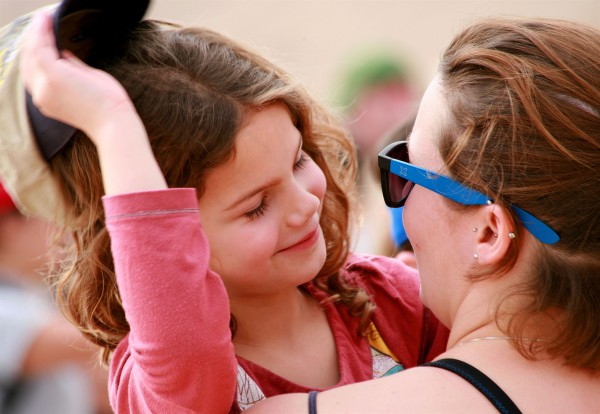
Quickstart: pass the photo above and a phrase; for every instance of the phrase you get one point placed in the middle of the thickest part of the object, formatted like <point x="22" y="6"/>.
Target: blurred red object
<point x="6" y="203"/>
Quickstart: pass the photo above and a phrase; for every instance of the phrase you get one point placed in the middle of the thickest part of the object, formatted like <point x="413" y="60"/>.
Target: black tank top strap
<point x="480" y="381"/>
<point x="312" y="402"/>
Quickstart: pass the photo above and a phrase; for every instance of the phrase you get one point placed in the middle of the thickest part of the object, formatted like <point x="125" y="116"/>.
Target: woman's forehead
<point x="428" y="127"/>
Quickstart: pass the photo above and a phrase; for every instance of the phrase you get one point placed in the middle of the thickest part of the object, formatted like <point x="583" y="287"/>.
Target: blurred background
<point x="314" y="39"/>
<point x="368" y="59"/>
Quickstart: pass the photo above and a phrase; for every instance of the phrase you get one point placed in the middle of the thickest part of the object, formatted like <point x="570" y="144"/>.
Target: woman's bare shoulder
<point x="409" y="391"/>
<point x="289" y="403"/>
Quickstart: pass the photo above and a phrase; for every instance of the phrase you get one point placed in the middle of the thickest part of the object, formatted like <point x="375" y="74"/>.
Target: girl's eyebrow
<point x="254" y="191"/>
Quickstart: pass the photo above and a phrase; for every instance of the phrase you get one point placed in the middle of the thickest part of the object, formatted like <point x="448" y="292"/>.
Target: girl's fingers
<point x="71" y="58"/>
<point x="41" y="35"/>
<point x="65" y="88"/>
<point x="38" y="50"/>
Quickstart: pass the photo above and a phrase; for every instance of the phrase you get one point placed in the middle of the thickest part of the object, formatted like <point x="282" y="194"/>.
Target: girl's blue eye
<point x="301" y="161"/>
<point x="258" y="211"/>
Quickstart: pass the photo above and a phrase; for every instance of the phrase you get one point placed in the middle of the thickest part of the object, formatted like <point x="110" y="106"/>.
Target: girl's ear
<point x="496" y="236"/>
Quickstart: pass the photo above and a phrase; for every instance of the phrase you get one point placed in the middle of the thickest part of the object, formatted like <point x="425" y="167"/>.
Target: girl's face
<point x="261" y="209"/>
<point x="438" y="234"/>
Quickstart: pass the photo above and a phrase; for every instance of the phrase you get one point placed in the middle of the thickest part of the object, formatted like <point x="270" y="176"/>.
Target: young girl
<point x="261" y="177"/>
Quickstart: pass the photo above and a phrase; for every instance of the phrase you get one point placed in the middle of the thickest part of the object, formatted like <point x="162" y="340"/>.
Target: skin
<point x="272" y="207"/>
<point x="434" y="255"/>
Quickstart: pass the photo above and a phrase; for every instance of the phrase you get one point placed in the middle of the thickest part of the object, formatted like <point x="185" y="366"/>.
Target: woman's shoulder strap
<point x="480" y="381"/>
<point x="312" y="402"/>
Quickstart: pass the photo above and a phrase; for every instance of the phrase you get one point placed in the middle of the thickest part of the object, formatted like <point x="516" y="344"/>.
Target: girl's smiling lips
<point x="308" y="241"/>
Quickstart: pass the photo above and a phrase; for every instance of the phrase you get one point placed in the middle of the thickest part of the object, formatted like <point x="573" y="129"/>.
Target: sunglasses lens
<point x="398" y="187"/>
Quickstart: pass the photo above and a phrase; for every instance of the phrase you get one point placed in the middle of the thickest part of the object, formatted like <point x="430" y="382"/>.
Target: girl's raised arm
<point x="178" y="356"/>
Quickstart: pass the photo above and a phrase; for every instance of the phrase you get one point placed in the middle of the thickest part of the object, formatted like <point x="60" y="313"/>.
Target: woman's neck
<point x="486" y="318"/>
<point x="486" y="310"/>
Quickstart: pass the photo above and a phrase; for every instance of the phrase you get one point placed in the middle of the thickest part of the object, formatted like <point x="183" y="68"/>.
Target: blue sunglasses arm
<point x="437" y="183"/>
<point x="538" y="228"/>
<point x="459" y="193"/>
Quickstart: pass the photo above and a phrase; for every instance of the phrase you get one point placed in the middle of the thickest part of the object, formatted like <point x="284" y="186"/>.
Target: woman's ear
<point x="496" y="234"/>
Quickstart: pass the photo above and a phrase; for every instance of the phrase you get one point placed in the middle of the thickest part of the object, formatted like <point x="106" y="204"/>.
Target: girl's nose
<point x="302" y="209"/>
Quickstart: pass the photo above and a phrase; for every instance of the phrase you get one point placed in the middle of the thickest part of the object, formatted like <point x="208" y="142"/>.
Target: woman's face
<point x="437" y="233"/>
<point x="261" y="209"/>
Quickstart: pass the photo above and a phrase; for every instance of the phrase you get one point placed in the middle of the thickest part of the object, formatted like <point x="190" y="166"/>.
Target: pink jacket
<point x="178" y="356"/>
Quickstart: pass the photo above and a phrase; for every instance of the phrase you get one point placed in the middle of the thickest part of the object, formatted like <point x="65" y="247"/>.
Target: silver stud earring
<point x="490" y="202"/>
<point x="495" y="234"/>
<point x="474" y="229"/>
<point x="511" y="235"/>
<point x="475" y="256"/>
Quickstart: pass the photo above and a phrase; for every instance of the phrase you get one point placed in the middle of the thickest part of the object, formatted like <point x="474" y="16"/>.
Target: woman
<point x="508" y="248"/>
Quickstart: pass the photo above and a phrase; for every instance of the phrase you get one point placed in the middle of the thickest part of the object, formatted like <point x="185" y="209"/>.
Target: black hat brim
<point x="94" y="29"/>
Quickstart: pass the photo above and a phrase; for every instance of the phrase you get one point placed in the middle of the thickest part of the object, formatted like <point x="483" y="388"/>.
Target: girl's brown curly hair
<point x="193" y="89"/>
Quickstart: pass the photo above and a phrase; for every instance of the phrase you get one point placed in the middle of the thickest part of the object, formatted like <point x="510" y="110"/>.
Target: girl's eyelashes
<point x="258" y="211"/>
<point x="262" y="208"/>
<point x="301" y="161"/>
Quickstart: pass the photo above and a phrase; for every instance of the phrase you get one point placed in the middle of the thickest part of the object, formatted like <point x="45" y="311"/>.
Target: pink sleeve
<point x="178" y="356"/>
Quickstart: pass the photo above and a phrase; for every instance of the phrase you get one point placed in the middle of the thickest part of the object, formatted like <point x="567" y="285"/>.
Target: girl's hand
<point x="65" y="88"/>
